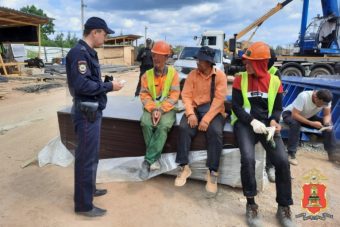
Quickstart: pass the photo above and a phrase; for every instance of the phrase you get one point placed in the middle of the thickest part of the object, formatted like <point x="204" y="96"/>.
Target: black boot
<point x="99" y="192"/>
<point x="95" y="212"/>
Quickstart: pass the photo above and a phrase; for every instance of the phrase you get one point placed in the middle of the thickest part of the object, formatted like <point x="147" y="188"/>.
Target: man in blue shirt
<point x="89" y="100"/>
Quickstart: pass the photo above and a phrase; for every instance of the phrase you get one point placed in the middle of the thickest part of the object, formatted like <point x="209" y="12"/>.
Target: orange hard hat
<point x="257" y="51"/>
<point x="161" y="47"/>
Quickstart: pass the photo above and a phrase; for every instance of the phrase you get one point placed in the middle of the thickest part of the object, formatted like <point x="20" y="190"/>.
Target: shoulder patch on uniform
<point x="82" y="67"/>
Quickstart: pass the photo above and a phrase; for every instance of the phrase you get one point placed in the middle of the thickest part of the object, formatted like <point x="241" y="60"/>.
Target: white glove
<point x="258" y="127"/>
<point x="270" y="133"/>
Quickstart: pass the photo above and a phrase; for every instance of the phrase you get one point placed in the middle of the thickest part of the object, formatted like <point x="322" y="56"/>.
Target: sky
<point x="178" y="21"/>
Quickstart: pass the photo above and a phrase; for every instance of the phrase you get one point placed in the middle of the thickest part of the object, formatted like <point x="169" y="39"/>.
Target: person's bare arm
<point x="327" y="117"/>
<point x="296" y="114"/>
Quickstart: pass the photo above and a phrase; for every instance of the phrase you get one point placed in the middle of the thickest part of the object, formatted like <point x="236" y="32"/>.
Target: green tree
<point x="46" y="29"/>
<point x="59" y="40"/>
<point x="70" y="41"/>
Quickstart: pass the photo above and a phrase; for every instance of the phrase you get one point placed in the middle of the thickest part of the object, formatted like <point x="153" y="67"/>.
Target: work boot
<point x="183" y="174"/>
<point x="95" y="212"/>
<point x="271" y="174"/>
<point x="252" y="215"/>
<point x="155" y="166"/>
<point x="292" y="159"/>
<point x="145" y="170"/>
<point x="284" y="215"/>
<point x="211" y="186"/>
<point x="99" y="192"/>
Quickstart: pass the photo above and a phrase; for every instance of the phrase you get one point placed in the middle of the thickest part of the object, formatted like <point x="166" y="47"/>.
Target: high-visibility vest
<point x="274" y="86"/>
<point x="273" y="70"/>
<point x="150" y="76"/>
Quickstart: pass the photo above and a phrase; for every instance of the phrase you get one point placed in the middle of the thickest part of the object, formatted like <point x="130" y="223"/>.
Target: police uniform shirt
<point x="84" y="76"/>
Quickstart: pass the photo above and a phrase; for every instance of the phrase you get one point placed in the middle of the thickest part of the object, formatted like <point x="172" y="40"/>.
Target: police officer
<point x="145" y="58"/>
<point x="89" y="99"/>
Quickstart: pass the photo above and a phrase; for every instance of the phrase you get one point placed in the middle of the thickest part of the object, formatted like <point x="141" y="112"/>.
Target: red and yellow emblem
<point x="314" y="197"/>
<point x="314" y="193"/>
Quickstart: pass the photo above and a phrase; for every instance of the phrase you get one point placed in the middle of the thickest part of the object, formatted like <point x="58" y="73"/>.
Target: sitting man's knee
<point x="183" y="126"/>
<point x="247" y="159"/>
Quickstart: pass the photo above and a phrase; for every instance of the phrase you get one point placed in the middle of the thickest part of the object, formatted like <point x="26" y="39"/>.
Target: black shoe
<point x="145" y="170"/>
<point x="99" y="192"/>
<point x="95" y="212"/>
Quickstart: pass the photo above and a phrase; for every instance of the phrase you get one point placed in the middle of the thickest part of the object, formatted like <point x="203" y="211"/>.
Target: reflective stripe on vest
<point x="274" y="86"/>
<point x="150" y="76"/>
<point x="273" y="70"/>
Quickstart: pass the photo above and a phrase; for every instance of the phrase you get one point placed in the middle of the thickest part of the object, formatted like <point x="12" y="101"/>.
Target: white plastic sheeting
<point x="127" y="169"/>
<point x="55" y="153"/>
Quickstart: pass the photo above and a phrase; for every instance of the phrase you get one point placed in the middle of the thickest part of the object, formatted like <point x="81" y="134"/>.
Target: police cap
<point x="97" y="23"/>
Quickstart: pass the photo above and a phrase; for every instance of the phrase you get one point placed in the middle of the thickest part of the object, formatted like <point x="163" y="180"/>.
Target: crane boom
<point x="260" y="20"/>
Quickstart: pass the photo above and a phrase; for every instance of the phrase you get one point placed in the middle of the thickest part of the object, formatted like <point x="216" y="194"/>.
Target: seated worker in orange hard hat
<point x="270" y="169"/>
<point x="203" y="96"/>
<point x="159" y="94"/>
<point x="256" y="111"/>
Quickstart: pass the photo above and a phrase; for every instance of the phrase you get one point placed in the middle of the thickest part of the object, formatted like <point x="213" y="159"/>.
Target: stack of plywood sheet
<point x="121" y="134"/>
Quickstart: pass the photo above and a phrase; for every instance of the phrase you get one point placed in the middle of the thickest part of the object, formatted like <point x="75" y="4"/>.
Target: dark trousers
<point x="86" y="159"/>
<point x="268" y="163"/>
<point x="214" y="137"/>
<point x="329" y="140"/>
<point x="247" y="139"/>
<point x="142" y="71"/>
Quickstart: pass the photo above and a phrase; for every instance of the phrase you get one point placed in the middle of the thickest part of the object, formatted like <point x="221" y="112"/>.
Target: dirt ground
<point x="36" y="196"/>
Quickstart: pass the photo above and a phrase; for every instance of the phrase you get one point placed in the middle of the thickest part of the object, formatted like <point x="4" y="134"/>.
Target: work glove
<point x="270" y="133"/>
<point x="258" y="127"/>
<point x="270" y="136"/>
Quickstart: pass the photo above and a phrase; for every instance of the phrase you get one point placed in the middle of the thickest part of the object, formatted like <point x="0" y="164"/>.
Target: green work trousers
<point x="155" y="136"/>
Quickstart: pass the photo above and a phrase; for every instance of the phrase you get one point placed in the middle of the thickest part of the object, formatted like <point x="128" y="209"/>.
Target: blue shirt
<point x="84" y="76"/>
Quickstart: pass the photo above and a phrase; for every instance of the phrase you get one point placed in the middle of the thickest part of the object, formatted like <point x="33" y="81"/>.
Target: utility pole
<point x="145" y="32"/>
<point x="82" y="6"/>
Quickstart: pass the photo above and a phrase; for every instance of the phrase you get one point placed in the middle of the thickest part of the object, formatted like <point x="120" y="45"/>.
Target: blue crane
<point x="321" y="37"/>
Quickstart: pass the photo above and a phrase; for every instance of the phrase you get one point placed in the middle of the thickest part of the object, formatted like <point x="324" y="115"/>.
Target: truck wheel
<point x="320" y="69"/>
<point x="319" y="72"/>
<point x="292" y="69"/>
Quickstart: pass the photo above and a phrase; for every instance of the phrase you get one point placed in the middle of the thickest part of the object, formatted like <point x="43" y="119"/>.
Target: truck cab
<point x="186" y="61"/>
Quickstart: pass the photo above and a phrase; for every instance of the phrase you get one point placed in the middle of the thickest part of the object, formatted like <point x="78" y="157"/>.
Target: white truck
<point x="185" y="61"/>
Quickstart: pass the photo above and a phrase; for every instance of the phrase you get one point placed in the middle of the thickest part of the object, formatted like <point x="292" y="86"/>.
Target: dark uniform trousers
<point x="329" y="140"/>
<point x="247" y="139"/>
<point x="214" y="137"/>
<point x="143" y="69"/>
<point x="86" y="158"/>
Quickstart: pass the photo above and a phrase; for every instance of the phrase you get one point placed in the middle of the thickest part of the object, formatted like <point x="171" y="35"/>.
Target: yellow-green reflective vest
<point x="273" y="70"/>
<point x="274" y="86"/>
<point x="150" y="76"/>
